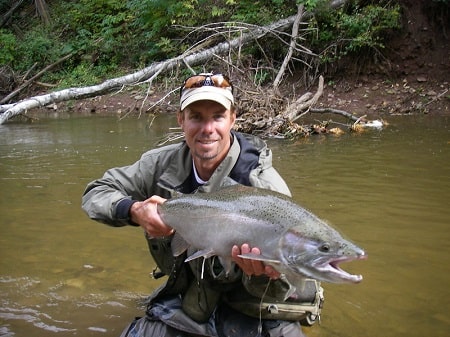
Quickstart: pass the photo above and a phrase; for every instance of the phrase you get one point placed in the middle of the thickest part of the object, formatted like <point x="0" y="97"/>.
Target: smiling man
<point x="207" y="125"/>
<point x="194" y="300"/>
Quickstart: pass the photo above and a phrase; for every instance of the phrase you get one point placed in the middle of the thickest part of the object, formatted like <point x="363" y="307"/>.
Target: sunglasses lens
<point x="194" y="82"/>
<point x="197" y="81"/>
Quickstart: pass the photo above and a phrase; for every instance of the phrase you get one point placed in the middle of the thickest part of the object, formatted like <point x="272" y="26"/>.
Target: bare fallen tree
<point x="196" y="55"/>
<point x="145" y="75"/>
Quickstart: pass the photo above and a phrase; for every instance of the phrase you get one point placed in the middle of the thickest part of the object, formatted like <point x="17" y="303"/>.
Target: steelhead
<point x="292" y="240"/>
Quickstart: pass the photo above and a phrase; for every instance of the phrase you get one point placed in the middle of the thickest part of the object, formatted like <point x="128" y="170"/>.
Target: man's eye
<point x="194" y="117"/>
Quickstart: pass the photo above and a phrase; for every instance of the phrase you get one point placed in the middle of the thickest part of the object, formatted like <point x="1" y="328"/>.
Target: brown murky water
<point x="62" y="274"/>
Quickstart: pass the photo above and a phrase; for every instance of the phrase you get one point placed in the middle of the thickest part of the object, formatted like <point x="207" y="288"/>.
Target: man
<point x="196" y="299"/>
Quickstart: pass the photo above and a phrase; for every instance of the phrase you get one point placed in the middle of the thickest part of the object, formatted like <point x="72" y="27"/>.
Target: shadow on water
<point x="386" y="190"/>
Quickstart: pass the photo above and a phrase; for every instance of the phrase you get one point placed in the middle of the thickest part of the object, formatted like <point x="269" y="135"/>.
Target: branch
<point x="336" y="111"/>
<point x="437" y="97"/>
<point x="30" y="81"/>
<point x="9" y="13"/>
<point x="288" y="56"/>
<point x="303" y="103"/>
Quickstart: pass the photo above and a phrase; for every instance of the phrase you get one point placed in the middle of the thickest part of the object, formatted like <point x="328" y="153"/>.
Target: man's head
<point x="207" y="116"/>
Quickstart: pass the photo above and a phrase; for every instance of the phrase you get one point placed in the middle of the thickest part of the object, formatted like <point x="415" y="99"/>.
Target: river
<point x="62" y="274"/>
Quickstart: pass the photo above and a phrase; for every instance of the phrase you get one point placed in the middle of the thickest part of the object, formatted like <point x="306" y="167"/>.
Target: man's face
<point x="207" y="126"/>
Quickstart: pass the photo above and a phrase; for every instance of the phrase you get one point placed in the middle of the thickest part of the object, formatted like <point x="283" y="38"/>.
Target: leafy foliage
<point x="353" y="28"/>
<point x="108" y="35"/>
<point x="8" y="45"/>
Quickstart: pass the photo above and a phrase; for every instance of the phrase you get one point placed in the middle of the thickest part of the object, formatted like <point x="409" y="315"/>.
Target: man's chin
<point x="206" y="156"/>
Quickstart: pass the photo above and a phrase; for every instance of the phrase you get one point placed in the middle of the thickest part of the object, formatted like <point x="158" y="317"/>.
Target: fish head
<point x="318" y="252"/>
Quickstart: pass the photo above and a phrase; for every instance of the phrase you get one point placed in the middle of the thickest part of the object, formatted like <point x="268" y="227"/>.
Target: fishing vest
<point x="202" y="285"/>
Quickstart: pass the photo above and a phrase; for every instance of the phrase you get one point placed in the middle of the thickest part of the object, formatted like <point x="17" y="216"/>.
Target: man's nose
<point x="208" y="126"/>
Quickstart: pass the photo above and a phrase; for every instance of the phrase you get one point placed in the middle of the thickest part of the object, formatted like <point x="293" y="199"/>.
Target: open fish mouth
<point x="336" y="274"/>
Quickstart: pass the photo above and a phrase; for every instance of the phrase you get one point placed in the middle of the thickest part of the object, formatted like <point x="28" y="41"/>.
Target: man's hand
<point x="252" y="267"/>
<point x="145" y="213"/>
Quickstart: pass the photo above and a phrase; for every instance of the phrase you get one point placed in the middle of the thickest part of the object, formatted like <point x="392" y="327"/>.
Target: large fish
<point x="292" y="240"/>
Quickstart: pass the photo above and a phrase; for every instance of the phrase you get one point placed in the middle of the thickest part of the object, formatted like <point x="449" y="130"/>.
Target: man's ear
<point x="180" y="118"/>
<point x="233" y="115"/>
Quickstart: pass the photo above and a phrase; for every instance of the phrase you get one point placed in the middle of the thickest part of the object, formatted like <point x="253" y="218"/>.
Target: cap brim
<point x="222" y="96"/>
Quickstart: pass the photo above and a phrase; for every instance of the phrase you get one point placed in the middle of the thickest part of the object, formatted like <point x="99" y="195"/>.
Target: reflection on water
<point x="30" y="306"/>
<point x="386" y="190"/>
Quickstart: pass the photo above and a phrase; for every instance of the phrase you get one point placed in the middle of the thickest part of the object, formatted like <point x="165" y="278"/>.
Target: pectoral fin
<point x="258" y="257"/>
<point x="206" y="253"/>
<point x="178" y="245"/>
<point x="291" y="289"/>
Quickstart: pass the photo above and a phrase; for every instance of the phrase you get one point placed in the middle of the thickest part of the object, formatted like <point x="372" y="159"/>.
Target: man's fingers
<point x="245" y="248"/>
<point x="248" y="266"/>
<point x="235" y="251"/>
<point x="157" y="199"/>
<point x="272" y="273"/>
<point x="257" y="266"/>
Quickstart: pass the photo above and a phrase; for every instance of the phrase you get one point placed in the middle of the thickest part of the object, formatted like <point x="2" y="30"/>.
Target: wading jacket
<point x="168" y="170"/>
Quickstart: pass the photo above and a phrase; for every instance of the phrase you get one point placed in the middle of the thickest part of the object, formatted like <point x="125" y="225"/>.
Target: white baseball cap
<point x="212" y="88"/>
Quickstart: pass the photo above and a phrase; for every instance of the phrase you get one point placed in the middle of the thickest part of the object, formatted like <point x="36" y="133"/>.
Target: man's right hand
<point x="145" y="213"/>
<point x="252" y="267"/>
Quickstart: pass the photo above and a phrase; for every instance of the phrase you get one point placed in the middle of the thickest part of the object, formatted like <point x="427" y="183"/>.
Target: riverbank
<point x="372" y="95"/>
<point x="409" y="76"/>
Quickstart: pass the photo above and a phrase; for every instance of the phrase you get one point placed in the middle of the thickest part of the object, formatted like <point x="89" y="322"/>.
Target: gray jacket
<point x="165" y="171"/>
<point x="162" y="171"/>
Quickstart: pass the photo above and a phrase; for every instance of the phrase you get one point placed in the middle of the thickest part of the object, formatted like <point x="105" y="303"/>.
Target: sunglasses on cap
<point x="207" y="79"/>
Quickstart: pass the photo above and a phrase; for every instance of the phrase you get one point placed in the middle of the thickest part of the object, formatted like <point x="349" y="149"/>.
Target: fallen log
<point x="142" y="76"/>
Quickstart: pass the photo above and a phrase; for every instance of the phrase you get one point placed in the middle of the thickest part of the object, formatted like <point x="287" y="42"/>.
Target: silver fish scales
<point x="292" y="240"/>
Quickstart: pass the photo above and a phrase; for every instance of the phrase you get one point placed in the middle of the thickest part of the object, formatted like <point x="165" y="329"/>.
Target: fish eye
<point x="325" y="248"/>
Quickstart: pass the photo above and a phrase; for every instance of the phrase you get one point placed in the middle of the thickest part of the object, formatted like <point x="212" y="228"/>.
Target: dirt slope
<point x="414" y="77"/>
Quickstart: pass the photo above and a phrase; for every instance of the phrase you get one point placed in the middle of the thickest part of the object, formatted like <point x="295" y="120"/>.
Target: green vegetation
<point x="109" y="36"/>
<point x="354" y="29"/>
